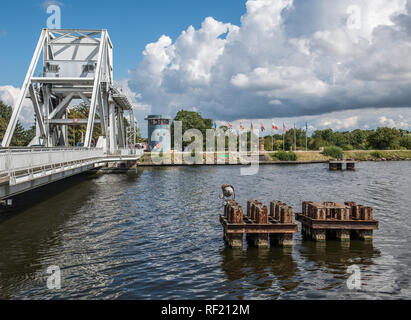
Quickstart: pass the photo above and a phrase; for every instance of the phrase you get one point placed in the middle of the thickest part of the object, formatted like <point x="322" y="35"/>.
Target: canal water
<point x="156" y="235"/>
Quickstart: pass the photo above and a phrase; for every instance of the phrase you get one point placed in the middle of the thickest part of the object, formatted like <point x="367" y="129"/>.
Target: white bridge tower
<point x="77" y="65"/>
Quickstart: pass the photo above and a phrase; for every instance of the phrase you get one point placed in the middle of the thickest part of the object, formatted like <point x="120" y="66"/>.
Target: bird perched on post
<point x="228" y="191"/>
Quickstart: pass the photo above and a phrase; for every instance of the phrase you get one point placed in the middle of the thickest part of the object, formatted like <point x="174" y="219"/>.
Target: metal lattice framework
<point x="77" y="65"/>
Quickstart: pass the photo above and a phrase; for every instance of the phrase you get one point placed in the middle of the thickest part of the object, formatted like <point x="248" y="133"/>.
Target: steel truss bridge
<point x="77" y="67"/>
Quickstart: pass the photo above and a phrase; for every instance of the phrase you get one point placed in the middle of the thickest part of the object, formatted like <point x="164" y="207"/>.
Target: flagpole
<point x="272" y="141"/>
<point x="295" y="138"/>
<point x="306" y="137"/>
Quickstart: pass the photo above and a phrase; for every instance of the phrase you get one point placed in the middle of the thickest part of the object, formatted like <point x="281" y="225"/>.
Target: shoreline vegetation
<point x="323" y="145"/>
<point x="358" y="155"/>
<point x="269" y="157"/>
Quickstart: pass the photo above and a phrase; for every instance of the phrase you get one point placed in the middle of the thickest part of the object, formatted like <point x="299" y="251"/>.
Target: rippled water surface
<point x="156" y="235"/>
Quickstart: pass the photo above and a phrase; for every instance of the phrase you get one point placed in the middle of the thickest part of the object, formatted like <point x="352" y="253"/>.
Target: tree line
<point x="379" y="139"/>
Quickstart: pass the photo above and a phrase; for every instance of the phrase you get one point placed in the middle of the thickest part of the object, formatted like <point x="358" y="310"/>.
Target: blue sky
<point x="131" y="25"/>
<point x="337" y="64"/>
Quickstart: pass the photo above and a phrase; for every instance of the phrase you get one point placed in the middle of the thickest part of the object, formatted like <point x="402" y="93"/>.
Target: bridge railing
<point x="127" y="152"/>
<point x="13" y="160"/>
<point x="131" y="152"/>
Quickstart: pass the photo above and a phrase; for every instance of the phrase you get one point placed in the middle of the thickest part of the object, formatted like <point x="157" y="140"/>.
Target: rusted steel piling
<point x="323" y="221"/>
<point x="260" y="226"/>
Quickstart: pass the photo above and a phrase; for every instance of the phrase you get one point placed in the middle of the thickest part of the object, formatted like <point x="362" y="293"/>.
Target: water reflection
<point x="272" y="268"/>
<point x="328" y="262"/>
<point x="155" y="233"/>
<point x="32" y="226"/>
<point x="338" y="255"/>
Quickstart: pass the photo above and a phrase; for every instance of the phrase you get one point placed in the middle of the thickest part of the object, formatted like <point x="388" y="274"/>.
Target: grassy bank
<point x="359" y="155"/>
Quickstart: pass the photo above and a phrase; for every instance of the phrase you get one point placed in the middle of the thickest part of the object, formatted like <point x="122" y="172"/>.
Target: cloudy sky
<point x="342" y="64"/>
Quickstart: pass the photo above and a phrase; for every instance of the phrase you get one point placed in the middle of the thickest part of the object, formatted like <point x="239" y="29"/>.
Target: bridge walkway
<point x="24" y="169"/>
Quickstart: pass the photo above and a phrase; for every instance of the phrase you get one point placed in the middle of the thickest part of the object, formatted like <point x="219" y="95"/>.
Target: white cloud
<point x="9" y="95"/>
<point x="280" y="82"/>
<point x="338" y="124"/>
<point x="287" y="58"/>
<point x="387" y="122"/>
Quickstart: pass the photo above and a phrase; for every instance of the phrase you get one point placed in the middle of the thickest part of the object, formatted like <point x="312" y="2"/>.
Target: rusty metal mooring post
<point x="260" y="225"/>
<point x="322" y="220"/>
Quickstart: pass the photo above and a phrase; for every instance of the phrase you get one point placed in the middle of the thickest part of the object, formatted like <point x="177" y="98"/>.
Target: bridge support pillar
<point x="112" y="130"/>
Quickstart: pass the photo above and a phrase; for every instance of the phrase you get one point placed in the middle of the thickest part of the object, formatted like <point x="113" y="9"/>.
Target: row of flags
<point x="273" y="126"/>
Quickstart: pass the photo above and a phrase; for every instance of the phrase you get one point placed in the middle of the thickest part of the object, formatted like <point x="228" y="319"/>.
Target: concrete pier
<point x="336" y="165"/>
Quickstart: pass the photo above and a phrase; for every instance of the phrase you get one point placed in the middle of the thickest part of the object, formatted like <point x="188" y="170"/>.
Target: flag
<point x="274" y="126"/>
<point x="241" y="126"/>
<point x="262" y="127"/>
<point x="306" y="127"/>
<point x="284" y="128"/>
<point x="252" y="127"/>
<point x="215" y="125"/>
<point x="230" y="126"/>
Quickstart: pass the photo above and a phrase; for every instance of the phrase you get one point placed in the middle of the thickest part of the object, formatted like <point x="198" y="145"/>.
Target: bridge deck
<point x="24" y="169"/>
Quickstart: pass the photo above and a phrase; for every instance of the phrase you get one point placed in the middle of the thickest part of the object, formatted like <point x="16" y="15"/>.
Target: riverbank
<point x="268" y="158"/>
<point x="151" y="164"/>
<point x="359" y="155"/>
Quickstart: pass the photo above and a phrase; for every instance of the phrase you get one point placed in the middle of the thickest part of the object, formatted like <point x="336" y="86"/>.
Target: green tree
<point x="321" y="138"/>
<point x="358" y="139"/>
<point x="191" y="120"/>
<point x="77" y="133"/>
<point x="385" y="139"/>
<point x="405" y="142"/>
<point x="341" y="139"/>
<point x="326" y="136"/>
<point x="21" y="136"/>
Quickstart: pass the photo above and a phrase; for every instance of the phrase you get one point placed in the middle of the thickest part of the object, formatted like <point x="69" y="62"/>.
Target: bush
<point x="334" y="152"/>
<point x="348" y="147"/>
<point x="285" y="156"/>
<point x="377" y="154"/>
